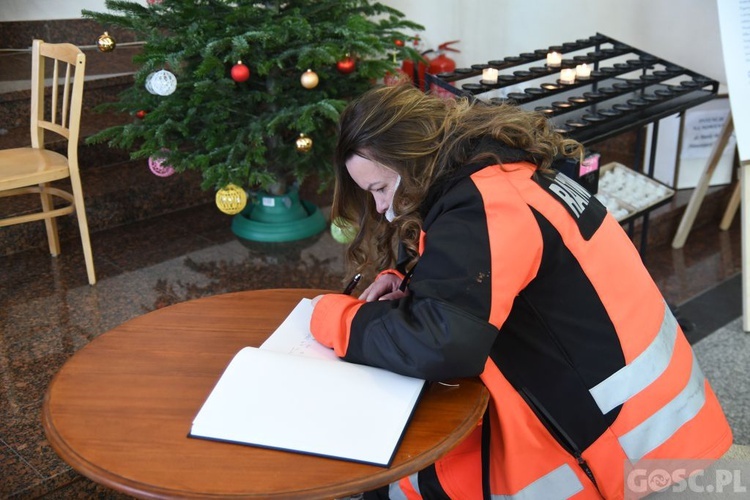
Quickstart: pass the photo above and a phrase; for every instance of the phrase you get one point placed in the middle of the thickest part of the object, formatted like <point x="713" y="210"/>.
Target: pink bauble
<point x="158" y="168"/>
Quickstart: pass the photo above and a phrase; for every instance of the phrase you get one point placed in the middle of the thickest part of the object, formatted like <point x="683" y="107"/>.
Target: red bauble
<point x="240" y="72"/>
<point x="140" y="114"/>
<point x="346" y="65"/>
<point x="398" y="42"/>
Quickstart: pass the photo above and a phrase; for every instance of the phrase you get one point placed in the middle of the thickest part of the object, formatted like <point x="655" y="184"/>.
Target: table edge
<point x="142" y="490"/>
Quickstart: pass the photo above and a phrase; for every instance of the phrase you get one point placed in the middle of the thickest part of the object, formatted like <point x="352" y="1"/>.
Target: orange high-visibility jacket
<point x="525" y="280"/>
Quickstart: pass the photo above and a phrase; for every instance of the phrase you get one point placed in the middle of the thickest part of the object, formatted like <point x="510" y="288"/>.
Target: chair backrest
<point x="60" y="112"/>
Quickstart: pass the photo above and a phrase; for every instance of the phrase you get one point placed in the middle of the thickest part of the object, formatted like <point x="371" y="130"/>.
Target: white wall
<point x="685" y="32"/>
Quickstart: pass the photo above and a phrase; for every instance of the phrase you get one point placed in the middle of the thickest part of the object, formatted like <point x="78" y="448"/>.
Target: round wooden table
<point x="119" y="411"/>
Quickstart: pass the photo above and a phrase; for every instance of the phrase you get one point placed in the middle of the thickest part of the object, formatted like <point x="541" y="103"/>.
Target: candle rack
<point x="626" y="90"/>
<point x="627" y="87"/>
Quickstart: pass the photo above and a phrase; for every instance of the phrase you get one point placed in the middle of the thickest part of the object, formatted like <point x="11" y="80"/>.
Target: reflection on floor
<point x="48" y="311"/>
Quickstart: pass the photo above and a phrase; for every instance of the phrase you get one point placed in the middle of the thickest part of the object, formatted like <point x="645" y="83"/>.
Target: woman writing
<point x="518" y="276"/>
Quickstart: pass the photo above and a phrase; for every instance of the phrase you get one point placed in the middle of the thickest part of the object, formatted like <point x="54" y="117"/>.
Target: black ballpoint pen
<point x="352" y="284"/>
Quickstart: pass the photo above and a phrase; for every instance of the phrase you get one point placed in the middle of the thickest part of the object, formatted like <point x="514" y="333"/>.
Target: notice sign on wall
<point x="701" y="130"/>
<point x="685" y="144"/>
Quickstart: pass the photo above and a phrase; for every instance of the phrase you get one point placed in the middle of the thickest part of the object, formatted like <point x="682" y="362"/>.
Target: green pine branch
<point x="245" y="132"/>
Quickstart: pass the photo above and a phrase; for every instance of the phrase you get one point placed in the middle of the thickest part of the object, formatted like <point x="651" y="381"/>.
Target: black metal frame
<point x="628" y="89"/>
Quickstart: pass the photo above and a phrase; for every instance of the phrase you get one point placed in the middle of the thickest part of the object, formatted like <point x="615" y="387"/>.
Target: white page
<point x="295" y="394"/>
<point x="293" y="336"/>
<point x="310" y="405"/>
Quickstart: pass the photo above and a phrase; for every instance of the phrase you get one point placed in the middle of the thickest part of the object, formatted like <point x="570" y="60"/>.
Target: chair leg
<point x="53" y="238"/>
<point x="83" y="227"/>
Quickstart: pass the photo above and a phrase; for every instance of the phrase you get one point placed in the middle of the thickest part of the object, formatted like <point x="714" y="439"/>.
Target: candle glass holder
<point x="554" y="59"/>
<point x="567" y="76"/>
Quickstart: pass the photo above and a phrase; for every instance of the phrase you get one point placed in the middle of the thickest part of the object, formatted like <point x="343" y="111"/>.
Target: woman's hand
<point x="385" y="287"/>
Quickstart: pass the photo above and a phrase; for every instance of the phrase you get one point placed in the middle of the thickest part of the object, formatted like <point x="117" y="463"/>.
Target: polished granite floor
<point x="48" y="311"/>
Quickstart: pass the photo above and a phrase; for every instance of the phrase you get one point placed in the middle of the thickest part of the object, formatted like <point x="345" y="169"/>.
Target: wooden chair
<point x="30" y="170"/>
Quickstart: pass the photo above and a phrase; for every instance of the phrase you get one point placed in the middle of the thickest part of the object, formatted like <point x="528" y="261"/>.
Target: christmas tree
<point x="223" y="85"/>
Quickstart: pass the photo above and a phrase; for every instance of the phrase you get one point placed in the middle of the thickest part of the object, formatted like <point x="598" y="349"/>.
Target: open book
<point x="294" y="394"/>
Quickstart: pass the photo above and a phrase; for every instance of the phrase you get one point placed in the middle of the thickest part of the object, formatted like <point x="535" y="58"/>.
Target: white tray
<point x="626" y="192"/>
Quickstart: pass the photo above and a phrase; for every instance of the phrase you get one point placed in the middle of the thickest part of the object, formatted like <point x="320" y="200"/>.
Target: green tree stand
<point x="272" y="218"/>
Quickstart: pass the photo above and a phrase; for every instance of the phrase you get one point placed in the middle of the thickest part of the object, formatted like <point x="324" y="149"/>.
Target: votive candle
<point x="568" y="75"/>
<point x="489" y="75"/>
<point x="554" y="59"/>
<point x="583" y="71"/>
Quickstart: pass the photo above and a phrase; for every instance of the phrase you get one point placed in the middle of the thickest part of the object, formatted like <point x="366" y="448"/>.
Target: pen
<point x="352" y="284"/>
<point x="405" y="281"/>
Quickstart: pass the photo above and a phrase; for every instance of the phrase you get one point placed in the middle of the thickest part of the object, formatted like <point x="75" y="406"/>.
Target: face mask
<point x="390" y="214"/>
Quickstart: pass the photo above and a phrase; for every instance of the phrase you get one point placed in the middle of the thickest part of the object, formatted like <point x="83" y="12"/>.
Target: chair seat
<point x="20" y="167"/>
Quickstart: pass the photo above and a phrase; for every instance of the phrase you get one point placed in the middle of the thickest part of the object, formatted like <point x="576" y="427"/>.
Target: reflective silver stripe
<point x="662" y="424"/>
<point x="642" y="371"/>
<point x="561" y="483"/>
<point x="415" y="482"/>
<point x="396" y="493"/>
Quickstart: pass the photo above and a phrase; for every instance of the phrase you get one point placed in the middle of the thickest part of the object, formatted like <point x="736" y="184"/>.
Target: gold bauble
<point x="304" y="143"/>
<point x="231" y="199"/>
<point x="309" y="79"/>
<point x="106" y="43"/>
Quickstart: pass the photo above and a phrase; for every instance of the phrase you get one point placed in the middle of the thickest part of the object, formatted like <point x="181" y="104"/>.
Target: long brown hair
<point x="423" y="138"/>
